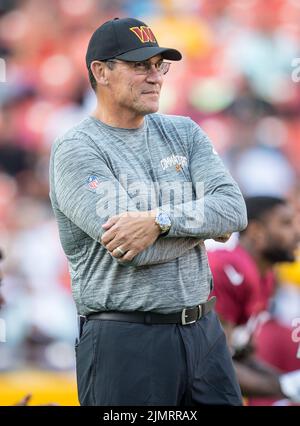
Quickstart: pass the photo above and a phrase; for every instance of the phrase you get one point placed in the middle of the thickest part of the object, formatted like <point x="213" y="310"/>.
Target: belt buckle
<point x="183" y="316"/>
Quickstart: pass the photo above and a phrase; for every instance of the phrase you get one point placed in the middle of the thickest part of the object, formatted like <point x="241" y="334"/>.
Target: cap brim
<point x="144" y="53"/>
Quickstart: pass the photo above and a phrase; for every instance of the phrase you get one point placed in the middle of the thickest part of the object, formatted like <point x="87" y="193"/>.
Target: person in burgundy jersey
<point x="275" y="344"/>
<point x="244" y="283"/>
<point x="241" y="290"/>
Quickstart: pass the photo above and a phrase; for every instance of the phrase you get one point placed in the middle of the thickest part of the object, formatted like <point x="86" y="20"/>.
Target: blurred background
<point x="236" y="81"/>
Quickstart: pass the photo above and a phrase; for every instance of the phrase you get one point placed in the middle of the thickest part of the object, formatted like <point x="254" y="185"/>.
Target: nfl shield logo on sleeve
<point x="93" y="183"/>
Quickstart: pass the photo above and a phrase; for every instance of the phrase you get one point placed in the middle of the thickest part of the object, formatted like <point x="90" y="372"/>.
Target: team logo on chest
<point x="177" y="161"/>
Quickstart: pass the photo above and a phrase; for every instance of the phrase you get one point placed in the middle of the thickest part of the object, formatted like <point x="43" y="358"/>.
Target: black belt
<point x="185" y="317"/>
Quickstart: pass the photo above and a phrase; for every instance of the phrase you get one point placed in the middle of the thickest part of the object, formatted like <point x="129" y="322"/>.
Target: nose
<point x="154" y="75"/>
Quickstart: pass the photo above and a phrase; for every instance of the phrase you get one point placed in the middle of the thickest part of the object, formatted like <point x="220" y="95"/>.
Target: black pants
<point x="122" y="363"/>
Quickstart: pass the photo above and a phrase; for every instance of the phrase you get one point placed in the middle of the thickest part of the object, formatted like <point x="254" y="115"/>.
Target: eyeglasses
<point x="144" y="67"/>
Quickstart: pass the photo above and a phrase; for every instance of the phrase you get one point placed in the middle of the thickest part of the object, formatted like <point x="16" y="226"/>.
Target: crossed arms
<point x="217" y="209"/>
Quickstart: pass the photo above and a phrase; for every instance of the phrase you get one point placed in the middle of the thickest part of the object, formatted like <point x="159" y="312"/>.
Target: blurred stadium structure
<point x="235" y="81"/>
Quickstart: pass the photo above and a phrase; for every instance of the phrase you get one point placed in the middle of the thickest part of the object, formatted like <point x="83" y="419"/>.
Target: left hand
<point x="132" y="232"/>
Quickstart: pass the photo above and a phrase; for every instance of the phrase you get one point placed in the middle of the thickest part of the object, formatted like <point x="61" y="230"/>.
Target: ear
<point x="99" y="71"/>
<point x="257" y="233"/>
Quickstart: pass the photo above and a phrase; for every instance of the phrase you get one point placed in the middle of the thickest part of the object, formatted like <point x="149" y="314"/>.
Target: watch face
<point x="164" y="221"/>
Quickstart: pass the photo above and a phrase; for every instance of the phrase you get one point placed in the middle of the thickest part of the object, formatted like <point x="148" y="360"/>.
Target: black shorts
<point x="122" y="363"/>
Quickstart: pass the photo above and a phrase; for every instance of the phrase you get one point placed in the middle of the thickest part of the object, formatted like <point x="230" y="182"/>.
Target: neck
<point x="262" y="264"/>
<point x="122" y="119"/>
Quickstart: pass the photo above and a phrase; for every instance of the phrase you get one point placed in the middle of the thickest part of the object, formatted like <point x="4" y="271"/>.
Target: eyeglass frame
<point x="147" y="68"/>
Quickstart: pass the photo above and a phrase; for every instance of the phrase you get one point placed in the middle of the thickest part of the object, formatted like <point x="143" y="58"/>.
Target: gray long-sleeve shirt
<point x="97" y="171"/>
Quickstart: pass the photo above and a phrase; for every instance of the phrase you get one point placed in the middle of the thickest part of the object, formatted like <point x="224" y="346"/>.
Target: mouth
<point x="152" y="92"/>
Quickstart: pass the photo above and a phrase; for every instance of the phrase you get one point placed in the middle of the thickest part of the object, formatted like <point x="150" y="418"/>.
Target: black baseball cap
<point x="127" y="39"/>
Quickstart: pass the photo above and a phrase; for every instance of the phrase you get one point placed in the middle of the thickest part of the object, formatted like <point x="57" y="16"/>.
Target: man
<point x="135" y="193"/>
<point x="244" y="283"/>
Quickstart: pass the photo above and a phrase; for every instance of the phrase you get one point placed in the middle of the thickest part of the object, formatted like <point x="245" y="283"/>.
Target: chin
<point x="149" y="108"/>
<point x="152" y="109"/>
<point x="278" y="256"/>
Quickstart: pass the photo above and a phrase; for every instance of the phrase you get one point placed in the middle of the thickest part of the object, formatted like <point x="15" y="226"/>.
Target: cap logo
<point x="145" y="34"/>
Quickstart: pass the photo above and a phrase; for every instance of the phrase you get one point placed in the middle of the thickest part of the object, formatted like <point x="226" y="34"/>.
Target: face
<point x="280" y="234"/>
<point x="136" y="93"/>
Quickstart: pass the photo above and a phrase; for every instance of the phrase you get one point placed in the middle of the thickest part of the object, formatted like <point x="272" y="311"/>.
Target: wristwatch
<point x="163" y="220"/>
